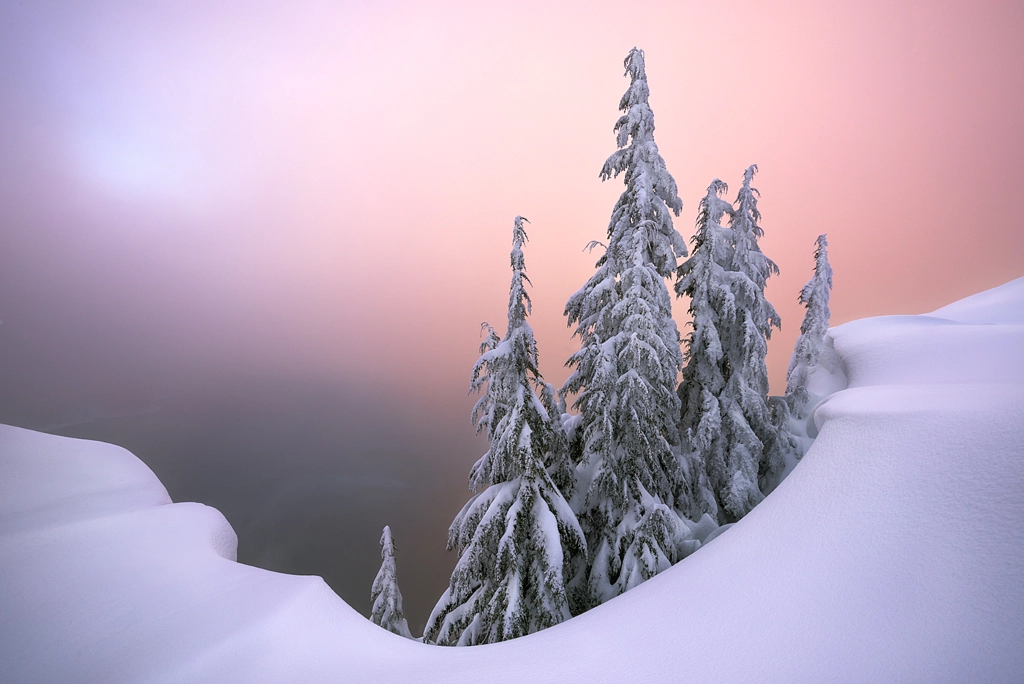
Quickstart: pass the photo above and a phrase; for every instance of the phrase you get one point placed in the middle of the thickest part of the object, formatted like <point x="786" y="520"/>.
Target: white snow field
<point x="894" y="552"/>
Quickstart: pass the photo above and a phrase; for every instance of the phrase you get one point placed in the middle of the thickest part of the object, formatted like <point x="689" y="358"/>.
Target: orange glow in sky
<point x="328" y="188"/>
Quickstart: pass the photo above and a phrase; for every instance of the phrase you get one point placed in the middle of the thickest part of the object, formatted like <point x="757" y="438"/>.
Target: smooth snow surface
<point x="999" y="305"/>
<point x="894" y="552"/>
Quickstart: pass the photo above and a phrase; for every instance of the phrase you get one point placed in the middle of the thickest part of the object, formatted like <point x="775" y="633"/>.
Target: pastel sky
<point x="324" y="191"/>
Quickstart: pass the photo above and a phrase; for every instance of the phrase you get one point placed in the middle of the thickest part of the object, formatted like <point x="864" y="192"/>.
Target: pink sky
<point x="328" y="188"/>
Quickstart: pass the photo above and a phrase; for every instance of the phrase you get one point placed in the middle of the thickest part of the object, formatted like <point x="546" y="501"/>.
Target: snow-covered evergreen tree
<point x="626" y="369"/>
<point x="384" y="594"/>
<point x="729" y="427"/>
<point x="756" y="317"/>
<point x="703" y="278"/>
<point x="516" y="537"/>
<point x="814" y="296"/>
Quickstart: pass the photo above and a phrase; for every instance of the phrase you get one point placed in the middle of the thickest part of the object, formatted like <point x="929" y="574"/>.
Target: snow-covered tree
<point x="728" y="425"/>
<point x="814" y="296"/>
<point x="756" y="317"/>
<point x="703" y="278"/>
<point x="625" y="372"/>
<point x="384" y="594"/>
<point x="516" y="537"/>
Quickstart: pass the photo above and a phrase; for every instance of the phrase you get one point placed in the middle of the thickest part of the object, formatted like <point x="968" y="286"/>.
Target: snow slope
<point x="893" y="552"/>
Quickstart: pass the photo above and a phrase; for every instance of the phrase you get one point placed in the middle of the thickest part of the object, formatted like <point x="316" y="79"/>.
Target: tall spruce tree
<point x="703" y="278"/>
<point x="625" y="372"/>
<point x="515" y="538"/>
<point x="734" y="435"/>
<point x="384" y="594"/>
<point x="756" y="317"/>
<point x="814" y="296"/>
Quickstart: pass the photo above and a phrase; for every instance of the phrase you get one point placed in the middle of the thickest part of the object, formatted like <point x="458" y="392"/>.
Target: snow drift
<point x="893" y="552"/>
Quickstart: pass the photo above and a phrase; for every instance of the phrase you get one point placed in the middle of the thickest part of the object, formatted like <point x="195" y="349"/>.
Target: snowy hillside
<point x="894" y="552"/>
